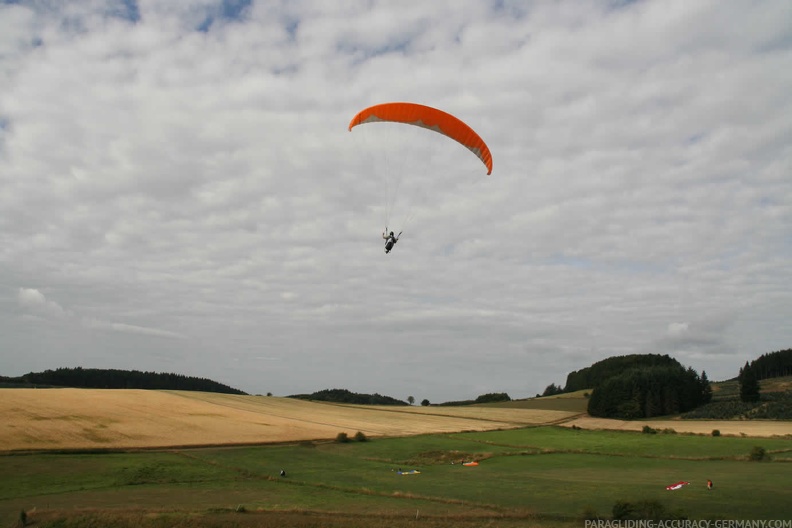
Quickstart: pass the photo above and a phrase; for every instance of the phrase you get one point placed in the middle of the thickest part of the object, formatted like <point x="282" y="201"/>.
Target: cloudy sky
<point x="179" y="191"/>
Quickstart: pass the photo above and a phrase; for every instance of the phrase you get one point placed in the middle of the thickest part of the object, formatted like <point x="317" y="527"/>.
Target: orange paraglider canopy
<point x="427" y="117"/>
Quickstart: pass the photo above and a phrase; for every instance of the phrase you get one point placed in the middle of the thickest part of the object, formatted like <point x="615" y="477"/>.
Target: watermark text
<point x="686" y="523"/>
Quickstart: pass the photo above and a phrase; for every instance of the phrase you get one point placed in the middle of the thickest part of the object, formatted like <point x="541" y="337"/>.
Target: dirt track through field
<point x="44" y="419"/>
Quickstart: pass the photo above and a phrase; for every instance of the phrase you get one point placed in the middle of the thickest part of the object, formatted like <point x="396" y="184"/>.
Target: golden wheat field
<point x="42" y="419"/>
<point x="45" y="419"/>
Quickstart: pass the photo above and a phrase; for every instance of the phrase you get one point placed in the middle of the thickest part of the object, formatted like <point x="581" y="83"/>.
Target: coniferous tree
<point x="773" y="364"/>
<point x="706" y="388"/>
<point x="600" y="371"/>
<point x="552" y="390"/>
<point x="749" y="384"/>
<point x="647" y="391"/>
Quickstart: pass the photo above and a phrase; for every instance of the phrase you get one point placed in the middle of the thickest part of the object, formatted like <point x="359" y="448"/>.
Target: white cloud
<point x="132" y="329"/>
<point x="35" y="301"/>
<point x="203" y="185"/>
<point x="675" y="329"/>
<point x="41" y="309"/>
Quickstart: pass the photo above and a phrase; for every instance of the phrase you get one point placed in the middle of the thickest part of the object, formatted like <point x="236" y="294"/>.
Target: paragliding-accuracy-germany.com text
<point x="686" y="523"/>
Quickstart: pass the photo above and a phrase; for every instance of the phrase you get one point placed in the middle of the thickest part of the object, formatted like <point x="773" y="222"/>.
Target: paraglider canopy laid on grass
<point x="427" y="117"/>
<point x="677" y="486"/>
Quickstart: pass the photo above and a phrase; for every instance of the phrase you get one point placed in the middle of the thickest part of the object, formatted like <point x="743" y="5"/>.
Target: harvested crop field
<point x="758" y="428"/>
<point x="45" y="419"/>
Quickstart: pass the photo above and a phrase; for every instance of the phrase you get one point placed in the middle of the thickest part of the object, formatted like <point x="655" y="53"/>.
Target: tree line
<point x="346" y="396"/>
<point x="644" y="392"/>
<point x="589" y="377"/>
<point x="90" y="378"/>
<point x="491" y="397"/>
<point x="645" y="385"/>
<point x="638" y="386"/>
<point x="770" y="365"/>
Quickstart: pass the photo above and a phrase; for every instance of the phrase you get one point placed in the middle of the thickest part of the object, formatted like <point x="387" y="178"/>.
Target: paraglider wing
<point x="677" y="486"/>
<point x="427" y="117"/>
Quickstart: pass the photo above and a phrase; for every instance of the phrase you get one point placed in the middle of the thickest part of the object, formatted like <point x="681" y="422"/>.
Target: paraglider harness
<point x="390" y="240"/>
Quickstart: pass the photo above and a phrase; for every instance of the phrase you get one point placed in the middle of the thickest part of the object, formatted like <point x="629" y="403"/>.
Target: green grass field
<point x="570" y="402"/>
<point x="550" y="475"/>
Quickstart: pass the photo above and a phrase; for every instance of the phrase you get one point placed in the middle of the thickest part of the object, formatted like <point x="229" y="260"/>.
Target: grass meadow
<point x="542" y="476"/>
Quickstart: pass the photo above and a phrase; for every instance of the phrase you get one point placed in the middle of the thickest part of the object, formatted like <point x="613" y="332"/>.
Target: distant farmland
<point x="46" y="419"/>
<point x="90" y="419"/>
<point x="756" y="428"/>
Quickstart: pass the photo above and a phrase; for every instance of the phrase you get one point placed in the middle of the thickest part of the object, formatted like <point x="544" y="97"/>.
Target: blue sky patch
<point x="694" y="139"/>
<point x="128" y="10"/>
<point x="291" y="26"/>
<point x="228" y="10"/>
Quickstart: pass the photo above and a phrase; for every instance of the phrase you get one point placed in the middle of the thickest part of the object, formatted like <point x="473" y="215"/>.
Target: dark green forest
<point x="116" y="379"/>
<point x="643" y="386"/>
<point x="492" y="397"/>
<point x="644" y="392"/>
<point x="345" y="396"/>
<point x="590" y="377"/>
<point x="772" y="365"/>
